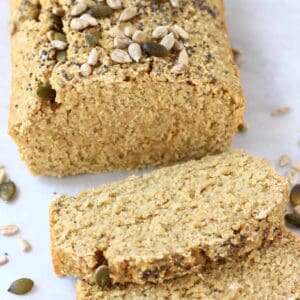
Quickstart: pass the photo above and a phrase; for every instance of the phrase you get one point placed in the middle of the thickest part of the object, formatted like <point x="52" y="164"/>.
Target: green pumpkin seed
<point x="56" y="22"/>
<point x="61" y="56"/>
<point x="7" y="190"/>
<point x="21" y="286"/>
<point x="46" y="93"/>
<point x="295" y="195"/>
<point x="92" y="38"/>
<point x="60" y="36"/>
<point x="292" y="219"/>
<point x="102" y="275"/>
<point x="155" y="49"/>
<point x="100" y="11"/>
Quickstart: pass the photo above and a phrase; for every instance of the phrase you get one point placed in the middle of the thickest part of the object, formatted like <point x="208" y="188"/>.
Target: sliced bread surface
<point x="170" y="222"/>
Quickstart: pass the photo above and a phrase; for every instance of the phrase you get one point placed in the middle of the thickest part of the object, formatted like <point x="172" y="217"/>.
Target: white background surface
<point x="267" y="32"/>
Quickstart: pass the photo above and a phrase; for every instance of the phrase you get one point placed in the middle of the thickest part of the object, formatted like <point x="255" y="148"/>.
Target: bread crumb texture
<point x="121" y="116"/>
<point x="170" y="222"/>
<point x="272" y="272"/>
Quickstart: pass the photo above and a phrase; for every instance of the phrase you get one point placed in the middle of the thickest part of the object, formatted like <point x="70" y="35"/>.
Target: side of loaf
<point x="170" y="222"/>
<point x="121" y="115"/>
<point x="272" y="272"/>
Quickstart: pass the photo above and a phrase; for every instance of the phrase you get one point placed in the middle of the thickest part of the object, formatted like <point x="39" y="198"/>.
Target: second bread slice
<point x="170" y="222"/>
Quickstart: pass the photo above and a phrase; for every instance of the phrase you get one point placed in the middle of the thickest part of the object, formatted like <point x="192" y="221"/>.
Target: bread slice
<point x="170" y="222"/>
<point x="272" y="272"/>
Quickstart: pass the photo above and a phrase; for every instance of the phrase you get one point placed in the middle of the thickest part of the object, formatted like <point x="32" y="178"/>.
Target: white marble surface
<point x="267" y="33"/>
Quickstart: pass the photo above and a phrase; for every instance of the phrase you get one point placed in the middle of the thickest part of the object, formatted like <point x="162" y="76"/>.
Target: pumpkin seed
<point x="61" y="56"/>
<point x="92" y="38"/>
<point x="7" y="190"/>
<point x="292" y="219"/>
<point x="155" y="49"/>
<point x="295" y="195"/>
<point x="101" y="11"/>
<point x="102" y="275"/>
<point x="21" y="286"/>
<point x="59" y="36"/>
<point x="46" y="93"/>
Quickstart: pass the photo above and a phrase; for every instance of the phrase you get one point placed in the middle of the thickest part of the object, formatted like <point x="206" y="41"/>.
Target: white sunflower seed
<point x="128" y="14"/>
<point x="129" y="30"/>
<point x="60" y="45"/>
<point x="178" y="46"/>
<point x="9" y="230"/>
<point x="79" y="24"/>
<point x="78" y="9"/>
<point x="180" y="69"/>
<point x="120" y="56"/>
<point x="114" y="4"/>
<point x="183" y="57"/>
<point x="135" y="51"/>
<point x="175" y="3"/>
<point x="160" y="32"/>
<point x="122" y="42"/>
<point x="181" y="32"/>
<point x="93" y="57"/>
<point x="140" y="37"/>
<point x="281" y="110"/>
<point x="85" y="70"/>
<point x="172" y="29"/>
<point x="168" y="41"/>
<point x="284" y="160"/>
<point x="89" y="19"/>
<point x="24" y="245"/>
<point x="3" y="260"/>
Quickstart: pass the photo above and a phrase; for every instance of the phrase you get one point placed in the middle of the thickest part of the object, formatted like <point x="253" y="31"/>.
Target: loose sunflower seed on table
<point x="181" y="32"/>
<point x="9" y="230"/>
<point x="89" y="19"/>
<point x="122" y="42"/>
<point x="24" y="245"/>
<point x="85" y="69"/>
<point x="183" y="57"/>
<point x="21" y="286"/>
<point x="93" y="57"/>
<point x="78" y="9"/>
<point x="160" y="32"/>
<point x="128" y="14"/>
<point x="168" y="41"/>
<point x="114" y="4"/>
<point x="135" y="51"/>
<point x="120" y="56"/>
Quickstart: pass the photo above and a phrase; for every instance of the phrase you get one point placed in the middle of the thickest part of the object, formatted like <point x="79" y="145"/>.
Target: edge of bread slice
<point x="170" y="222"/>
<point x="272" y="272"/>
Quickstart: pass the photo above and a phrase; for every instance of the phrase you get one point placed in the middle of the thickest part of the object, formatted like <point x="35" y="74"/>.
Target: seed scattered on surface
<point x="92" y="37"/>
<point x="135" y="51"/>
<point x="115" y="32"/>
<point x="295" y="195"/>
<point x="79" y="24"/>
<point x="61" y="56"/>
<point x="284" y="160"/>
<point x="296" y="166"/>
<point x="93" y="57"/>
<point x="24" y="245"/>
<point x="122" y="42"/>
<point x="101" y="11"/>
<point x="46" y="93"/>
<point x="114" y="4"/>
<point x="292" y="219"/>
<point x="3" y="260"/>
<point x="59" y="36"/>
<point x="160" y="32"/>
<point x="8" y="190"/>
<point x="120" y="56"/>
<point x="2" y="175"/>
<point x="243" y="127"/>
<point x="78" y="9"/>
<point x="281" y="110"/>
<point x="129" y="30"/>
<point x="181" y="32"/>
<point x="60" y="45"/>
<point x="21" y="286"/>
<point x="9" y="230"/>
<point x="180" y="69"/>
<point x="296" y="210"/>
<point x="175" y="3"/>
<point x="291" y="176"/>
<point x="102" y="276"/>
<point x="88" y="18"/>
<point x="168" y="41"/>
<point x="140" y="37"/>
<point x="128" y="14"/>
<point x="183" y="57"/>
<point x="85" y="70"/>
<point x="155" y="49"/>
<point x="178" y="46"/>
<point x="172" y="29"/>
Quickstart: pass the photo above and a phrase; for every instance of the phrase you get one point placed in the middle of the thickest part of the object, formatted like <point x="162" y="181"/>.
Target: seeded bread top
<point x="202" y="205"/>
<point x="272" y="272"/>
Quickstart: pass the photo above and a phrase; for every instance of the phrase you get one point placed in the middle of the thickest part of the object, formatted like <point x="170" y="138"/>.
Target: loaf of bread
<point x="99" y="89"/>
<point x="170" y="222"/>
<point x="272" y="272"/>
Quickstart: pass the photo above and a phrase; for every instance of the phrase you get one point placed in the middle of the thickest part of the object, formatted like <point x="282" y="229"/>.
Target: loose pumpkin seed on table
<point x="8" y="191"/>
<point x="21" y="286"/>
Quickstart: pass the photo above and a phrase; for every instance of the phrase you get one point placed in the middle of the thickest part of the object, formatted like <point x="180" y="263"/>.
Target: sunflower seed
<point x="85" y="70"/>
<point x="129" y="30"/>
<point x="183" y="57"/>
<point x="114" y="4"/>
<point x="296" y="166"/>
<point x="102" y="276"/>
<point x="89" y="19"/>
<point x="295" y="195"/>
<point x="174" y="3"/>
<point x="21" y="286"/>
<point x="115" y="32"/>
<point x="178" y="46"/>
<point x="181" y="32"/>
<point x="78" y="9"/>
<point x="155" y="49"/>
<point x="3" y="260"/>
<point x="79" y="24"/>
<point x="8" y="230"/>
<point x="281" y="110"/>
<point x="135" y="51"/>
<point x="140" y="37"/>
<point x="60" y="45"/>
<point x="291" y="176"/>
<point x="93" y="57"/>
<point x="122" y="42"/>
<point x="24" y="245"/>
<point x="171" y="29"/>
<point x="168" y="41"/>
<point x="128" y="14"/>
<point x="284" y="160"/>
<point x="179" y="69"/>
<point x="120" y="56"/>
<point x="88" y="3"/>
<point x="296" y="210"/>
<point x="160" y="32"/>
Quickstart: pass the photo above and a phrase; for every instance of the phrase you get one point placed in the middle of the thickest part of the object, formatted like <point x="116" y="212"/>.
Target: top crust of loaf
<point x="169" y="222"/>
